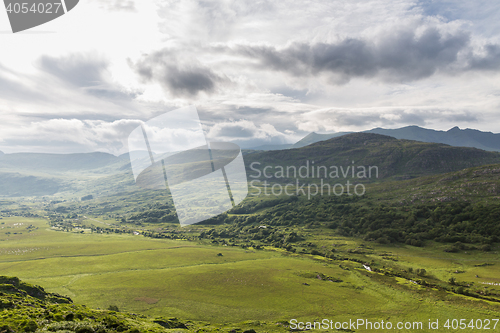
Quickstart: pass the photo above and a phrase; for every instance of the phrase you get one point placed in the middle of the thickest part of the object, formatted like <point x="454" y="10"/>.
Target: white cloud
<point x="259" y="72"/>
<point x="66" y="135"/>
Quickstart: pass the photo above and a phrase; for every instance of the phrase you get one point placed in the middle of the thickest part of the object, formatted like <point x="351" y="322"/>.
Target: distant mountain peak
<point x="454" y="129"/>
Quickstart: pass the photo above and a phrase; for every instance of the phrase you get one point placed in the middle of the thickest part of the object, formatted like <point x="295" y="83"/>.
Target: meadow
<point x="194" y="280"/>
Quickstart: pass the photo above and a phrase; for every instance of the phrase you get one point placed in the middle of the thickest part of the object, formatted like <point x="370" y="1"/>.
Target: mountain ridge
<point x="454" y="137"/>
<point x="393" y="157"/>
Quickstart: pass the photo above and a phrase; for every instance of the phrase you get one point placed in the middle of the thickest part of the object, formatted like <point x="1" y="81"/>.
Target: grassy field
<point x="190" y="280"/>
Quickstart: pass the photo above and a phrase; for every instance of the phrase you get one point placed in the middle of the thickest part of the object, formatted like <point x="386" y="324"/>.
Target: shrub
<point x="113" y="308"/>
<point x="29" y="326"/>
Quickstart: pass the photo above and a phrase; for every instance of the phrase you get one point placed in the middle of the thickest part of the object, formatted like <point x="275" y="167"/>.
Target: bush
<point x="113" y="308"/>
<point x="485" y="247"/>
<point x="315" y="252"/>
<point x="421" y="272"/>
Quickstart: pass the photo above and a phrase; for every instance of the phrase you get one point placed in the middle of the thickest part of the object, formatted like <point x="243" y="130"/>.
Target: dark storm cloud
<point x="181" y="79"/>
<point x="78" y="70"/>
<point x="402" y="56"/>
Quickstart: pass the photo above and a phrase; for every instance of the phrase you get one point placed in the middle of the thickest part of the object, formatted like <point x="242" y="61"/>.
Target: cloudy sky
<point x="259" y="72"/>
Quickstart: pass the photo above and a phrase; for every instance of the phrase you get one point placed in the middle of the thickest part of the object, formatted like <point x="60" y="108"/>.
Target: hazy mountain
<point x="395" y="159"/>
<point x="56" y="162"/>
<point x="16" y="185"/>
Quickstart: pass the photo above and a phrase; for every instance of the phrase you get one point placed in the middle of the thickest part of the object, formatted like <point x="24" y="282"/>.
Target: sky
<point x="259" y="72"/>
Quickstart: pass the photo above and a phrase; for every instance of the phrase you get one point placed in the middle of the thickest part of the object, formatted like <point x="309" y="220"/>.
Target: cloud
<point x="80" y="70"/>
<point x="482" y="14"/>
<point x="404" y="55"/>
<point x="89" y="73"/>
<point x="185" y="78"/>
<point x="18" y="87"/>
<point x="276" y="65"/>
<point x="488" y="59"/>
<point x="337" y="120"/>
<point x="70" y="135"/>
<point x="246" y="133"/>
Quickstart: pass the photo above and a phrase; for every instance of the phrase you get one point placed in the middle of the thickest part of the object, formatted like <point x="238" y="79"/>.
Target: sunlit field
<point x="197" y="281"/>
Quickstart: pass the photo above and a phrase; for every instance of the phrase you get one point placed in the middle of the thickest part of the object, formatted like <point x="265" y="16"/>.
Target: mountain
<point x="394" y="158"/>
<point x="101" y="174"/>
<point x="315" y="137"/>
<point x="57" y="162"/>
<point x="453" y="137"/>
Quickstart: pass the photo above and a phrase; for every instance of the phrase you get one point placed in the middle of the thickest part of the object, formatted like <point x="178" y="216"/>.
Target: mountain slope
<point x="315" y="137"/>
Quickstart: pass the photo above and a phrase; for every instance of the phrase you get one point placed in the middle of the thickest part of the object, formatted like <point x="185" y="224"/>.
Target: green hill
<point x="458" y="208"/>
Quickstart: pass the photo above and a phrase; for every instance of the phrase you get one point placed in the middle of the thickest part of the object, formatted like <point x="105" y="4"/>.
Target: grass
<point x="190" y="281"/>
